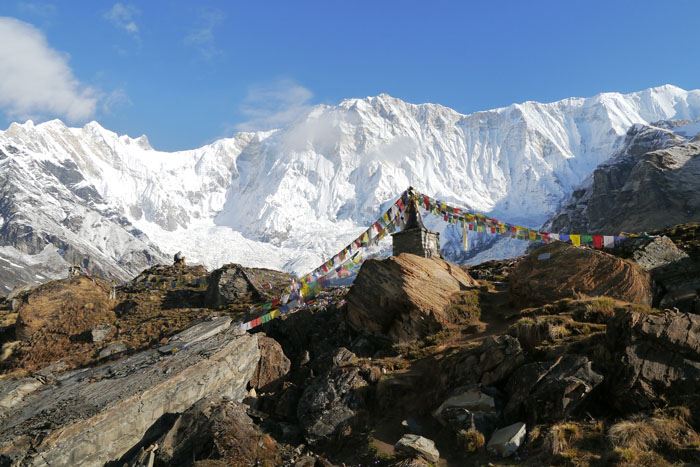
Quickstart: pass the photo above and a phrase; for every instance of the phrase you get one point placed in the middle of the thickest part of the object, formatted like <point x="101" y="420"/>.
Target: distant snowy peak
<point x="292" y="196"/>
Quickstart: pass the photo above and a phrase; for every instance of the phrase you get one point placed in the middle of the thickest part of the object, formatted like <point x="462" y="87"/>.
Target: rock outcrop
<point x="234" y="283"/>
<point x="216" y="428"/>
<point x="559" y="270"/>
<point x="405" y="297"/>
<point x="272" y="367"/>
<point x="550" y="391"/>
<point x="330" y="401"/>
<point x="655" y="359"/>
<point x="675" y="272"/>
<point x="97" y="415"/>
<point x="652" y="183"/>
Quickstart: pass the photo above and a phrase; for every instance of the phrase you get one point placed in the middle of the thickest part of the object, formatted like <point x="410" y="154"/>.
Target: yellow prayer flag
<point x="575" y="240"/>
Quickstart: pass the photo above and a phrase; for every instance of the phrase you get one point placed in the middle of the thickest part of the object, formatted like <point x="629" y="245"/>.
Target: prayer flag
<point x="464" y="236"/>
<point x="608" y="241"/>
<point x="575" y="240"/>
<point x="597" y="242"/>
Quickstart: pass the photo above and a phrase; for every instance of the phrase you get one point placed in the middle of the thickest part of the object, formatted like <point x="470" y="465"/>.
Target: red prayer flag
<point x="598" y="242"/>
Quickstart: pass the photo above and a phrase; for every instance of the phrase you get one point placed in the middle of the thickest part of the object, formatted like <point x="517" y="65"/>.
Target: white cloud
<point x="115" y="99"/>
<point x="202" y="36"/>
<point x="124" y="17"/>
<point x="36" y="80"/>
<point x="274" y="105"/>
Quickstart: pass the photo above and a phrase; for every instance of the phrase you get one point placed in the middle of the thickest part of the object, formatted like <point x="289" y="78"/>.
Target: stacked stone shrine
<point x="415" y="238"/>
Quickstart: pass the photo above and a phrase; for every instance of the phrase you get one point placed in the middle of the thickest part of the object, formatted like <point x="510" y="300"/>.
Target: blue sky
<point x="186" y="73"/>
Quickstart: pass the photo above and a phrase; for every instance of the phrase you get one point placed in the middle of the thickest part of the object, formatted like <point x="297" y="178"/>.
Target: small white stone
<point x="507" y="440"/>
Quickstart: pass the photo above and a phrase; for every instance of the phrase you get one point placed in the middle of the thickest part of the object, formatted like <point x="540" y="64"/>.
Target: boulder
<point x="468" y="408"/>
<point x="655" y="252"/>
<point x="272" y="367"/>
<point x="417" y="446"/>
<point x="331" y="401"/>
<point x="655" y="359"/>
<point x="559" y="270"/>
<point x="233" y="283"/>
<point x="675" y="272"/>
<point x="506" y="441"/>
<point x="500" y="356"/>
<point x="470" y="399"/>
<point x="97" y="415"/>
<point x="488" y="364"/>
<point x="405" y="297"/>
<point x="101" y="332"/>
<point x="550" y="391"/>
<point x="215" y="428"/>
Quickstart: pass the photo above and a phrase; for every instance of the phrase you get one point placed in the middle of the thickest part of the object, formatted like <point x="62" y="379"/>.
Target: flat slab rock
<point x="95" y="415"/>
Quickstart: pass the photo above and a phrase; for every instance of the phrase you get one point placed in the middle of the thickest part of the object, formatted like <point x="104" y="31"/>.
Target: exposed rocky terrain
<point x="652" y="182"/>
<point x="565" y="356"/>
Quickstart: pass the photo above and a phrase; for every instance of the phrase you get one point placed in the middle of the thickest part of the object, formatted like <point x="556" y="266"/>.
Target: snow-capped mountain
<point x="290" y="197"/>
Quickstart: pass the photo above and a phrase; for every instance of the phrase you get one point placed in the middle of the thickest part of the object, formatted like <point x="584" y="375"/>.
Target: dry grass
<point x="664" y="429"/>
<point x="632" y="457"/>
<point x="470" y="440"/>
<point x="560" y="440"/>
<point x="465" y="306"/>
<point x="637" y="434"/>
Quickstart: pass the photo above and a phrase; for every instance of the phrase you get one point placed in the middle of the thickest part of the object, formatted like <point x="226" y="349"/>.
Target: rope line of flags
<point x="348" y="260"/>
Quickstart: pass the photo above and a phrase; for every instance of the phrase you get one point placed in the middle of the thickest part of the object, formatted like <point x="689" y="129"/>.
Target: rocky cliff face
<point x="653" y="182"/>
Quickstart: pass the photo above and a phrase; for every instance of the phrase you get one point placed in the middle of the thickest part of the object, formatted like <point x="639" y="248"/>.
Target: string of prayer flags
<point x="479" y="223"/>
<point x="345" y="262"/>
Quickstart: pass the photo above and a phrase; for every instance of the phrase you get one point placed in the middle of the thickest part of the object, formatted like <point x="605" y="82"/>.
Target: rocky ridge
<point x="581" y="374"/>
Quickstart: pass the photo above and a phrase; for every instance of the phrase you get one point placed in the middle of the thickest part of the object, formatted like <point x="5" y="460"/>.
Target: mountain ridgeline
<point x="288" y="198"/>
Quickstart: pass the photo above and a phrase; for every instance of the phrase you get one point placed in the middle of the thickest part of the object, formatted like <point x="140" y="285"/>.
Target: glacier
<point x="288" y="198"/>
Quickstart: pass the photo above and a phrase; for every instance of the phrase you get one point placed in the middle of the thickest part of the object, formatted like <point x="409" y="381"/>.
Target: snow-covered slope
<point x="289" y="197"/>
